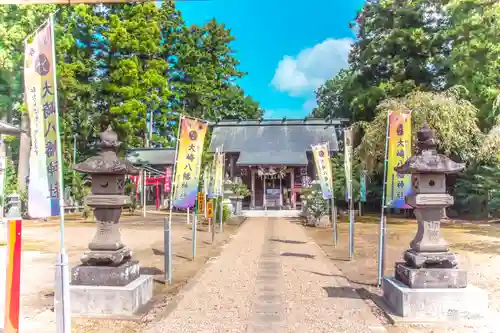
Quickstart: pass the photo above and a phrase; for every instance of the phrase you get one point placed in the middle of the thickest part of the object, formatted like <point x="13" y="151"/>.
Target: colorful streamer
<point x="189" y="152"/>
<point x="399" y="150"/>
<point x="323" y="169"/>
<point x="13" y="285"/>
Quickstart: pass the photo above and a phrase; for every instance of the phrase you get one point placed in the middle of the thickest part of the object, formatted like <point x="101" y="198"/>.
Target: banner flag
<point x="323" y="169"/>
<point x="399" y="150"/>
<point x="211" y="179"/>
<point x="187" y="172"/>
<point x="167" y="184"/>
<point x="362" y="186"/>
<point x="347" y="161"/>
<point x="206" y="178"/>
<point x="13" y="278"/>
<point x="41" y="102"/>
<point x="219" y="173"/>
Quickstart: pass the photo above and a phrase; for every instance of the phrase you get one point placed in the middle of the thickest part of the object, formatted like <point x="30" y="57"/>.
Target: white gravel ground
<point x="224" y="298"/>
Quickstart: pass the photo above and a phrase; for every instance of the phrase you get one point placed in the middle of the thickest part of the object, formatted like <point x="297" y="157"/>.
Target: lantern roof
<point x="107" y="162"/>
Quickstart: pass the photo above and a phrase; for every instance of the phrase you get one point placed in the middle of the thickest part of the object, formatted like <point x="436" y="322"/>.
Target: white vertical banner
<point x="40" y="102"/>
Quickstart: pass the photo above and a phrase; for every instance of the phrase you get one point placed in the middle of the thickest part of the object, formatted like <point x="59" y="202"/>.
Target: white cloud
<point x="311" y="67"/>
<point x="310" y="104"/>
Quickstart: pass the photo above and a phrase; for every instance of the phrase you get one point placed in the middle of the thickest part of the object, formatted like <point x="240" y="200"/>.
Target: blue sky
<point x="288" y="48"/>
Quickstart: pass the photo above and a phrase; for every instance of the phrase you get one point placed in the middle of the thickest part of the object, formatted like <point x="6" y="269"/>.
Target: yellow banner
<point x="398" y="151"/>
<point x="189" y="152"/>
<point x="323" y="169"/>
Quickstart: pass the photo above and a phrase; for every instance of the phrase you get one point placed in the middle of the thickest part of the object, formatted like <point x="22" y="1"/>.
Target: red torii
<point x="157" y="181"/>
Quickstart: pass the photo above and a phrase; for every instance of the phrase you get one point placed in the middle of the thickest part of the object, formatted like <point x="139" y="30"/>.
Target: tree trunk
<point x="24" y="154"/>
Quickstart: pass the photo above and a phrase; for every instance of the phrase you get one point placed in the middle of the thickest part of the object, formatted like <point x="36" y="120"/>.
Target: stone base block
<point x="106" y="257"/>
<point x="106" y="301"/>
<point x="120" y="275"/>
<point x="430" y="277"/>
<point x="428" y="305"/>
<point x="435" y="259"/>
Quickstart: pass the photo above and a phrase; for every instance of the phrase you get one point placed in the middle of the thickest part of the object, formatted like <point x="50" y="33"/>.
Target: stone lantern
<point x="108" y="282"/>
<point x="429" y="285"/>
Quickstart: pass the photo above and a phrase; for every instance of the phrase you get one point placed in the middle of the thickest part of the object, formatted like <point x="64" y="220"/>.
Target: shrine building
<point x="273" y="157"/>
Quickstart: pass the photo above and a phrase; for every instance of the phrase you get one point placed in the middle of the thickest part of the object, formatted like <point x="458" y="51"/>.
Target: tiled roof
<point x="273" y="136"/>
<point x="151" y="156"/>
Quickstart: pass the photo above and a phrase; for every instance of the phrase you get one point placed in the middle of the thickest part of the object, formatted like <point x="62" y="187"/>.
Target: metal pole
<point x="168" y="250"/>
<point x="264" y="194"/>
<point x="213" y="231"/>
<point x="223" y="160"/>
<point x="281" y="194"/>
<point x="62" y="303"/>
<point x="166" y="244"/>
<point x="187" y="215"/>
<point x="381" y="240"/>
<point x="349" y="191"/>
<point x="195" y="226"/>
<point x="334" y="210"/>
<point x="334" y="222"/>
<point x="205" y="203"/>
<point x="144" y="176"/>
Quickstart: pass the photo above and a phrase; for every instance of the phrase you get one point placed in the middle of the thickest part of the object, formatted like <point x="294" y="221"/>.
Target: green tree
<point x="335" y="95"/>
<point x="452" y="117"/>
<point x="16" y="23"/>
<point x="473" y="58"/>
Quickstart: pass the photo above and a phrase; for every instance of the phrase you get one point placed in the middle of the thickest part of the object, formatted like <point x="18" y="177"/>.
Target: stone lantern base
<point x="434" y="304"/>
<point x="107" y="291"/>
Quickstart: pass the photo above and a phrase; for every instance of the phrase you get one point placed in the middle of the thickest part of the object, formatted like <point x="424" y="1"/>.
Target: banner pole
<point x="62" y="306"/>
<point x="168" y="223"/>
<point x="334" y="210"/>
<point x="223" y="161"/>
<point x="382" y="228"/>
<point x="144" y="188"/>
<point x="348" y="161"/>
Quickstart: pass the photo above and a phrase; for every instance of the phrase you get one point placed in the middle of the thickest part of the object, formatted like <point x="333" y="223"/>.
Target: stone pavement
<point x="270" y="278"/>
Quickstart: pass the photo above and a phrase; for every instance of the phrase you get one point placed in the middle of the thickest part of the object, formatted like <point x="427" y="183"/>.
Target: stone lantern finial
<point x="426" y="138"/>
<point x="109" y="139"/>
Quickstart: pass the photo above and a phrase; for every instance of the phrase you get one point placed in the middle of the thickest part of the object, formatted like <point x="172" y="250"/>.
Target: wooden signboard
<point x="201" y="203"/>
<point x="210" y="209"/>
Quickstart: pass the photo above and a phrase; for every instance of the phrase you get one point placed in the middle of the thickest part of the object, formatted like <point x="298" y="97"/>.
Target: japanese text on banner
<point x="399" y="150"/>
<point x="323" y="169"/>
<point x="187" y="172"/>
<point x="40" y="96"/>
<point x="219" y="173"/>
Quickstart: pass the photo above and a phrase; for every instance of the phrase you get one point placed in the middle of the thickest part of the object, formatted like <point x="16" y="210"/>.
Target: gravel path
<point x="270" y="278"/>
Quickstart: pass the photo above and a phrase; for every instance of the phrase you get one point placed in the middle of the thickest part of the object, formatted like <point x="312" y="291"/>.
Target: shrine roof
<point x="283" y="137"/>
<point x="151" y="156"/>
